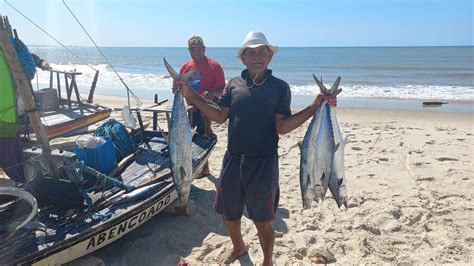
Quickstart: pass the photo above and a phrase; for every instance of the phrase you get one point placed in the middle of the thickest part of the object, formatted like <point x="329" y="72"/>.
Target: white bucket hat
<point x="255" y="39"/>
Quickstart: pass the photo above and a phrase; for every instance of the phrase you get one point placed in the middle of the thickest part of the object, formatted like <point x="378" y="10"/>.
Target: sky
<point x="224" y="23"/>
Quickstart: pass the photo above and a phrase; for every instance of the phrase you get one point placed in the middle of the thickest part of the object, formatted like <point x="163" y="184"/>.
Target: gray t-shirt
<point x="252" y="128"/>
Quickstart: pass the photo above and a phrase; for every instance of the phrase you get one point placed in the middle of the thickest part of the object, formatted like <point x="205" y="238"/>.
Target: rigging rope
<point x="129" y="91"/>
<point x="123" y="143"/>
<point x="78" y="57"/>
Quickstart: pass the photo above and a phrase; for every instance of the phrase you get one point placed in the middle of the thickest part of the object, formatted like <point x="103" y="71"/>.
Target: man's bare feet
<point x="230" y="255"/>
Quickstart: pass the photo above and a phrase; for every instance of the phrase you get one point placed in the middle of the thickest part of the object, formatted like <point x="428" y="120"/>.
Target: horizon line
<point x="237" y="47"/>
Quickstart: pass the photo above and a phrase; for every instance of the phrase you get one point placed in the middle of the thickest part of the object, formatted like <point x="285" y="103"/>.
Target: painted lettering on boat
<point x="128" y="224"/>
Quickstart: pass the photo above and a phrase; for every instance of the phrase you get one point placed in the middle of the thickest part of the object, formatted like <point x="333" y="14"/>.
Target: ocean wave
<point x="148" y="83"/>
<point x="395" y="92"/>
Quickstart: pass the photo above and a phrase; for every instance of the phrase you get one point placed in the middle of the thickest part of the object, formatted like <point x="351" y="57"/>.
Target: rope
<point x="122" y="141"/>
<point x="108" y="62"/>
<point x="76" y="170"/>
<point x="78" y="57"/>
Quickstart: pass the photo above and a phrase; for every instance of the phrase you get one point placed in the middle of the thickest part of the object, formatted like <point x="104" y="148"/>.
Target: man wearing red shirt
<point x="208" y="80"/>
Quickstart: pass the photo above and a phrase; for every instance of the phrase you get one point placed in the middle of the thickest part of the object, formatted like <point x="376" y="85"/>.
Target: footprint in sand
<point x="442" y="159"/>
<point x="415" y="218"/>
<point x="429" y="178"/>
<point x="431" y="142"/>
<point x="356" y="148"/>
<point x="369" y="228"/>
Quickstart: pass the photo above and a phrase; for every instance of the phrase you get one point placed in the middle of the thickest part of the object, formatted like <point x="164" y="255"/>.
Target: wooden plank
<point x="8" y="28"/>
<point x="65" y="72"/>
<point x="155" y="115"/>
<point x="59" y="86"/>
<point x="68" y="91"/>
<point x="76" y="91"/>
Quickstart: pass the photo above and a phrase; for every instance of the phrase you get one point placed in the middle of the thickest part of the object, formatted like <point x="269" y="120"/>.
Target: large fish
<point x="180" y="141"/>
<point x="322" y="154"/>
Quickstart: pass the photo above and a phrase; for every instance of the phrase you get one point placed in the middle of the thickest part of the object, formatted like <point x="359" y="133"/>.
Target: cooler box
<point x="96" y="152"/>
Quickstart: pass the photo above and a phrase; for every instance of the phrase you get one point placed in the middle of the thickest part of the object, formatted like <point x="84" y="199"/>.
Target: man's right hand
<point x="182" y="85"/>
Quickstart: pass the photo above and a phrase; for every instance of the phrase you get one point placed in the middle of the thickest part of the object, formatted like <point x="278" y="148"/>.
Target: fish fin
<point x="170" y="69"/>
<point x="339" y="183"/>
<point x="337" y="147"/>
<point x="183" y="173"/>
<point x="323" y="177"/>
<point x="334" y="86"/>
<point x="300" y="145"/>
<point x="321" y="86"/>
<point x="336" y="92"/>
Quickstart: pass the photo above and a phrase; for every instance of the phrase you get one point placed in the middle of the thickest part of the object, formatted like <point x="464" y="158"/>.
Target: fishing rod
<point x="129" y="91"/>
<point x="44" y="31"/>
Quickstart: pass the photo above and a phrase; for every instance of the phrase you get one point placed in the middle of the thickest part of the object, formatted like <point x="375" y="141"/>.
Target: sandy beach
<point x="410" y="180"/>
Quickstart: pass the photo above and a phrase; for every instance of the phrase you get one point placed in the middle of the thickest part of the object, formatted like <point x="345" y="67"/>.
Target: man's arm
<point x="212" y="93"/>
<point x="286" y="124"/>
<point x="211" y="110"/>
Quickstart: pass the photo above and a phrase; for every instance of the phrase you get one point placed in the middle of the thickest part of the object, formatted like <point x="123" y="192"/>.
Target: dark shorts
<point x="198" y="123"/>
<point x="248" y="181"/>
<point x="11" y="158"/>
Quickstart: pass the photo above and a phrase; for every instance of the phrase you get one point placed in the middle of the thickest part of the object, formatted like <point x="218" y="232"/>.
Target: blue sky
<point x="224" y="23"/>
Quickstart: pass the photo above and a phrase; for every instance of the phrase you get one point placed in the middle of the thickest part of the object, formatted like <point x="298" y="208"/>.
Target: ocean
<point x="382" y="77"/>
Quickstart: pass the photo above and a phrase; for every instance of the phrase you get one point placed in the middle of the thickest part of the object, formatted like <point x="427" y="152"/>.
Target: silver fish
<point x="322" y="154"/>
<point x="140" y="193"/>
<point x="337" y="182"/>
<point x="312" y="188"/>
<point x="180" y="141"/>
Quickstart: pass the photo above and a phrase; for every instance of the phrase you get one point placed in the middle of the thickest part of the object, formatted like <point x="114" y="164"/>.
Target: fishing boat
<point x="60" y="105"/>
<point x="65" y="112"/>
<point x="66" y="227"/>
<point x="67" y="206"/>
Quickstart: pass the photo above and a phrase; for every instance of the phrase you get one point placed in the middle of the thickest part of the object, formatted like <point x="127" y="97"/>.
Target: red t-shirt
<point x="208" y="71"/>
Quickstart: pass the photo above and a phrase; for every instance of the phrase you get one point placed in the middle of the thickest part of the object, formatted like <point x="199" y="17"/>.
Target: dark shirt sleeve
<point x="283" y="105"/>
<point x="225" y="99"/>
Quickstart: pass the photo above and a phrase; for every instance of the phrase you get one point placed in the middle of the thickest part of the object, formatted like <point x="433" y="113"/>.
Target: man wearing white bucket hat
<point x="257" y="105"/>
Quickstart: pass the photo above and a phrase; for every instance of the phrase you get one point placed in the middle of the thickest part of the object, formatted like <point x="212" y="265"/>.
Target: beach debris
<point x="322" y="154"/>
<point x="183" y="262"/>
<point x="21" y="193"/>
<point x="180" y="141"/>
<point x="321" y="255"/>
<point x="433" y="104"/>
<point x="442" y="159"/>
<point x="128" y="118"/>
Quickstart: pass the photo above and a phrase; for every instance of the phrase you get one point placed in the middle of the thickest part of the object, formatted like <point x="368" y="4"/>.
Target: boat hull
<point x="62" y="237"/>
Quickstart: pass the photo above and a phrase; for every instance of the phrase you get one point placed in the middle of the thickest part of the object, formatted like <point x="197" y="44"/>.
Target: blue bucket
<point x="97" y="152"/>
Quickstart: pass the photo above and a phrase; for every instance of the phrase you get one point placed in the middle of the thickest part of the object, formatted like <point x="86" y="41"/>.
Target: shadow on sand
<point x="165" y="238"/>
